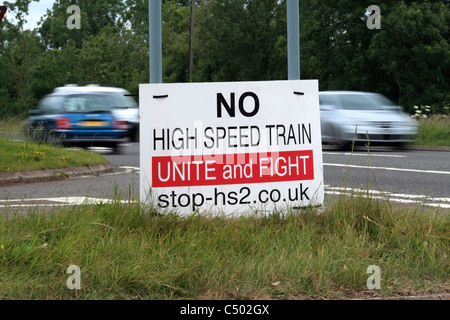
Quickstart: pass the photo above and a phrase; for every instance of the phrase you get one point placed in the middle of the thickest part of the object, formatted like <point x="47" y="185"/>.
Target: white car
<point x="123" y="108"/>
<point x="359" y="117"/>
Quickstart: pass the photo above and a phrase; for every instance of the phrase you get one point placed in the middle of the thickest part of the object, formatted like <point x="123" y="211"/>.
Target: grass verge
<point x="10" y="126"/>
<point x="20" y="156"/>
<point x="124" y="254"/>
<point x="434" y="131"/>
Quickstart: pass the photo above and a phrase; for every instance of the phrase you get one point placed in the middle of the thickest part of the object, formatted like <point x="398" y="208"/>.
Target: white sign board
<point x="232" y="147"/>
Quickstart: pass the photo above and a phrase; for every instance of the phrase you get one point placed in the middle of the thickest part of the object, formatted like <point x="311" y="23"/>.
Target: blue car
<point x="81" y="119"/>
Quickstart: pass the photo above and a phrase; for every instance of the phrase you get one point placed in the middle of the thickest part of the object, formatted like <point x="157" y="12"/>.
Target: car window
<point x="49" y="105"/>
<point x="363" y="101"/>
<point x="328" y="100"/>
<point x="87" y="104"/>
<point x="122" y="101"/>
<point x="383" y="101"/>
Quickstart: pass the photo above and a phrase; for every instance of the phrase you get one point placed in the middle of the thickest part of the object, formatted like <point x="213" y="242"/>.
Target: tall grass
<point x="125" y="253"/>
<point x="10" y="126"/>
<point x="434" y="131"/>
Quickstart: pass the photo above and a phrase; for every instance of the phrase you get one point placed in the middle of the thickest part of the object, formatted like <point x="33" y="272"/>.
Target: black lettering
<point x="194" y="137"/>
<point x="291" y="198"/>
<point x="173" y="195"/>
<point x="163" y="201"/>
<point x="291" y="135"/>
<point x="233" y="196"/>
<point x="211" y="138"/>
<point x="220" y="137"/>
<point x="221" y="101"/>
<point x="307" y="133"/>
<point x="180" y="139"/>
<point x="241" y="136"/>
<point x="259" y="196"/>
<point x="303" y="192"/>
<point x="255" y="144"/>
<point x="216" y="194"/>
<point x="270" y="133"/>
<point x="277" y="196"/>
<point x="245" y="196"/>
<point x="156" y="139"/>
<point x="241" y="104"/>
<point x="194" y="200"/>
<point x="188" y="202"/>
<point x="281" y="134"/>
<point x="231" y="136"/>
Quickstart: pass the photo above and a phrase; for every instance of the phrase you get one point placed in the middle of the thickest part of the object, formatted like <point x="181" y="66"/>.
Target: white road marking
<point x="128" y="169"/>
<point x="365" y="155"/>
<point x="73" y="201"/>
<point x="394" y="197"/>
<point x="131" y="168"/>
<point x="384" y="168"/>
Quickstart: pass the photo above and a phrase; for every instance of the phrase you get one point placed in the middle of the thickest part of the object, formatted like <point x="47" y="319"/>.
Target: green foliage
<point x="175" y="42"/>
<point x="95" y="15"/>
<point x="408" y="59"/>
<point x="237" y="40"/>
<point x="412" y="50"/>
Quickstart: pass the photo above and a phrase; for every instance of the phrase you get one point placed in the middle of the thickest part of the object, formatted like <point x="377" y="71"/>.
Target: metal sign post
<point x="155" y="41"/>
<point x="293" y="38"/>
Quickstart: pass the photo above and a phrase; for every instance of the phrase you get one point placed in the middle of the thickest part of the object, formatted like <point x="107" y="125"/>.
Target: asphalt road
<point x="404" y="176"/>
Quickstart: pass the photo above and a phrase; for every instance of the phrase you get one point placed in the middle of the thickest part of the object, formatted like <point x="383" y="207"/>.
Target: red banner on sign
<point x="225" y="169"/>
<point x="3" y="10"/>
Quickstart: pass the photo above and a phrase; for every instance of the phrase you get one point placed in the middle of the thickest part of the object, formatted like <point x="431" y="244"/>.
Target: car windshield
<point x="363" y="101"/>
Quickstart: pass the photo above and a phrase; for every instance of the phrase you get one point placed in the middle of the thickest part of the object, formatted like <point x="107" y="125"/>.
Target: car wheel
<point x="400" y="146"/>
<point x="341" y="144"/>
<point x="116" y="149"/>
<point x="345" y="145"/>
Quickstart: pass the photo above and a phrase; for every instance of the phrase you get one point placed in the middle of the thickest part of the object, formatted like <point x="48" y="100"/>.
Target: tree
<point x="175" y="34"/>
<point x="111" y="57"/>
<point x="413" y="53"/>
<point x="236" y="40"/>
<point x="407" y="59"/>
<point x="175" y="41"/>
<point x="18" y="49"/>
<point x="95" y="15"/>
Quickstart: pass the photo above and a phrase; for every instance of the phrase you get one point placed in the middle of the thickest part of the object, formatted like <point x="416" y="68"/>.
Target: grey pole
<point x="155" y="41"/>
<point x="293" y="39"/>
